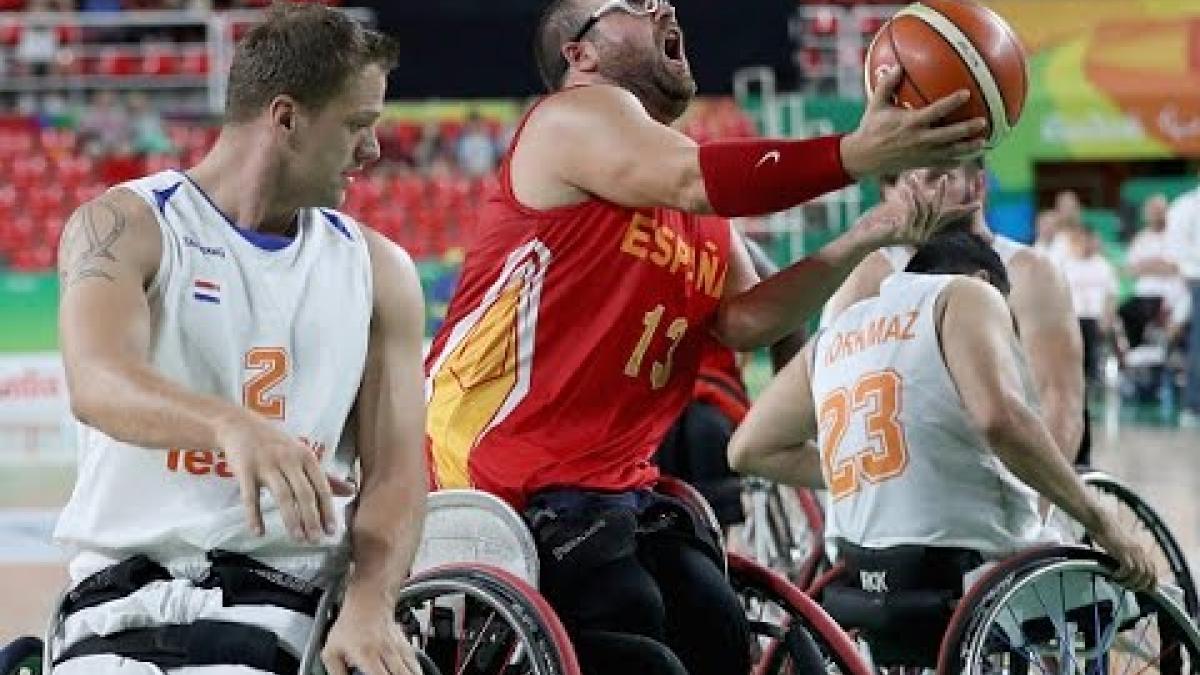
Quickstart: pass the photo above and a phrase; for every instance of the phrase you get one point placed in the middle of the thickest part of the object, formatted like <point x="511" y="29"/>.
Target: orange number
<point x="659" y="372"/>
<point x="877" y="396"/>
<point x="272" y="366"/>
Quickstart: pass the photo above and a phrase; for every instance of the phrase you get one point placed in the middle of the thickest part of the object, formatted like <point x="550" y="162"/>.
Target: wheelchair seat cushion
<point x="474" y="526"/>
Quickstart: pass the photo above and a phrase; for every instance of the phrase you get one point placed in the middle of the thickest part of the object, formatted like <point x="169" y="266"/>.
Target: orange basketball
<point x="947" y="45"/>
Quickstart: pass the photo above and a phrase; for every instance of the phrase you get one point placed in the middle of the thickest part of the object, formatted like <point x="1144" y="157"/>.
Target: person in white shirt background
<point x="1093" y="284"/>
<point x="1159" y="290"/>
<point x="1183" y="232"/>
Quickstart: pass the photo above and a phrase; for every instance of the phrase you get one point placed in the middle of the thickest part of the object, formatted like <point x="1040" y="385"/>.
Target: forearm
<point x="1024" y="446"/>
<point x="798" y="465"/>
<point x="385" y="533"/>
<point x="770" y="310"/>
<point x="754" y="177"/>
<point x="1062" y="411"/>
<point x="133" y="403"/>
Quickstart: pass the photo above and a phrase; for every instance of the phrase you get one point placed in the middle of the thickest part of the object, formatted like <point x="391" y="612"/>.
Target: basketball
<point x="947" y="45"/>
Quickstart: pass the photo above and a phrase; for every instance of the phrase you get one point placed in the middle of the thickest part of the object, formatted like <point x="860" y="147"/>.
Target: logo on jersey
<point x="772" y="156"/>
<point x="204" y="250"/>
<point x="873" y="581"/>
<point x="206" y="291"/>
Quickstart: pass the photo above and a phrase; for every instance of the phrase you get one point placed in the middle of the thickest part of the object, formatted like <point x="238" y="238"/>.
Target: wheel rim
<point x="1071" y="617"/>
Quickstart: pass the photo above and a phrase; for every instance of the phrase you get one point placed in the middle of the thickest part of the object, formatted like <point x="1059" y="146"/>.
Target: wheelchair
<point x="1054" y="609"/>
<point x="1137" y="516"/>
<point x="471" y="606"/>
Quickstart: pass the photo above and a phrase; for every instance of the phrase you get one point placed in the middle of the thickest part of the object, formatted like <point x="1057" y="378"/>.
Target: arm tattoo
<point x="87" y="243"/>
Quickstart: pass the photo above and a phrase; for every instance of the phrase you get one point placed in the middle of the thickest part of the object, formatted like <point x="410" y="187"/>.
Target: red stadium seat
<point x="194" y="62"/>
<point x="10" y="30"/>
<point x="824" y="24"/>
<point x="118" y="62"/>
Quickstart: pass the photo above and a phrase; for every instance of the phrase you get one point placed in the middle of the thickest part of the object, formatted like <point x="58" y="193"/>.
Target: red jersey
<point x="571" y="344"/>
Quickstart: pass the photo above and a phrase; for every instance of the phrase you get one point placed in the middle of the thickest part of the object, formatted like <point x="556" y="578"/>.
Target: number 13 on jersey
<point x="875" y="401"/>
<point x="660" y="372"/>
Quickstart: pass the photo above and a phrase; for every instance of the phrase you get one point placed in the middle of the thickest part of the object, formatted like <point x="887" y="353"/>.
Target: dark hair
<point x="306" y="51"/>
<point x="560" y="19"/>
<point x="973" y="166"/>
<point x="959" y="252"/>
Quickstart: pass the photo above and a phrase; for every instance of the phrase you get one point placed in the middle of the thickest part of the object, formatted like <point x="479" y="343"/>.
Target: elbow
<point x="737" y="328"/>
<point x="738" y="453"/>
<point x="997" y="420"/>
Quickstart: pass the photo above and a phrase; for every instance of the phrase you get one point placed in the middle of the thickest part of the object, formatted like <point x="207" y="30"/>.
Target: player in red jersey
<point x="572" y="342"/>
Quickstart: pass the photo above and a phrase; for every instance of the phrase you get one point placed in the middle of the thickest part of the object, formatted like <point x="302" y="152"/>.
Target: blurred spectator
<point x="104" y="126"/>
<point x="1068" y="208"/>
<point x="1183" y="231"/>
<point x="476" y="152"/>
<point x="1159" y="291"/>
<point x="1093" y="283"/>
<point x="147" y="135"/>
<point x="1047" y="237"/>
<point x="38" y="45"/>
<point x="430" y="146"/>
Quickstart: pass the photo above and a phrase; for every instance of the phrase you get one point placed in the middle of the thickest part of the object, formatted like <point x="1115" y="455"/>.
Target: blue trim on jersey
<point x="261" y="240"/>
<point x="164" y="195"/>
<point x="206" y="298"/>
<point x="337" y="223"/>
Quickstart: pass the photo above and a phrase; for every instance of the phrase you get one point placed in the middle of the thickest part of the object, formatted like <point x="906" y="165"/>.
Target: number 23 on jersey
<point x="874" y="400"/>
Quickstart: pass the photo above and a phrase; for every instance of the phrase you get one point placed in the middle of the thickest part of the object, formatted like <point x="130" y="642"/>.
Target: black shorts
<point x="638" y="583"/>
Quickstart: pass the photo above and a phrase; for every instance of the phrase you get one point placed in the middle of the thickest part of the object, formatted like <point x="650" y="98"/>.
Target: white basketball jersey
<point x="901" y="460"/>
<point x="276" y="324"/>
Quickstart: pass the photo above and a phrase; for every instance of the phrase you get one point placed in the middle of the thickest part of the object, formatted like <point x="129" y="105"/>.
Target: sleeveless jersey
<point x="276" y="324"/>
<point x="902" y="462"/>
<point x="571" y="344"/>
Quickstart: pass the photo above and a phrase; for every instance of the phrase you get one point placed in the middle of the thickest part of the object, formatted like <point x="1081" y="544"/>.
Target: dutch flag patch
<point x="206" y="291"/>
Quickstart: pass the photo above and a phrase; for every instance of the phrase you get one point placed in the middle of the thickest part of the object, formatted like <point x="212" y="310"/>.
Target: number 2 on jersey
<point x="877" y="396"/>
<point x="272" y="366"/>
<point x="659" y="372"/>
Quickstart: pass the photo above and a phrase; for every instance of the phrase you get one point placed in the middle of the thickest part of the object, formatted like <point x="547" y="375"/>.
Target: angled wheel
<point x="479" y="620"/>
<point x="791" y="633"/>
<point x="1059" y="610"/>
<point x="1139" y="517"/>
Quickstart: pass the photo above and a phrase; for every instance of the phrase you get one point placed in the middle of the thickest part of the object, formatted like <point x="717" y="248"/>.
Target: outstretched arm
<point x="983" y="357"/>
<point x="600" y="141"/>
<point x="775" y="440"/>
<point x="390" y="510"/>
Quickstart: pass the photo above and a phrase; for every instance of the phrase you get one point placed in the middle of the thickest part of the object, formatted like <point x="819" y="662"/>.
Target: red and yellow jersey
<point x="571" y="344"/>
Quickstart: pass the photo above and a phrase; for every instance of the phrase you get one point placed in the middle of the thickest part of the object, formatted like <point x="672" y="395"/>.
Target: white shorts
<point x="175" y="602"/>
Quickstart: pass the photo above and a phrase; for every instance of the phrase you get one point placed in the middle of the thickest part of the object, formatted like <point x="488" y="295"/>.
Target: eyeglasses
<point x="634" y="7"/>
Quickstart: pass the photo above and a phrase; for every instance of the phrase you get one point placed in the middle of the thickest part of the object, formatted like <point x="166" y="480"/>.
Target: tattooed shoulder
<point x="89" y="240"/>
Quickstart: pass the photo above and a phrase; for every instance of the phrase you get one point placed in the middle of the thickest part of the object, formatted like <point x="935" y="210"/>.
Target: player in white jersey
<point x="1040" y="301"/>
<point x="236" y="350"/>
<point x="926" y="437"/>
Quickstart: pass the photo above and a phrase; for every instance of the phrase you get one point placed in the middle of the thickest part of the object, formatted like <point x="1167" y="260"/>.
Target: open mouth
<point x="673" y="45"/>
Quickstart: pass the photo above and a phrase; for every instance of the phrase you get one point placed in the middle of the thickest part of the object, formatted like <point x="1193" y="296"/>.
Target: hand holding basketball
<point x="890" y="139"/>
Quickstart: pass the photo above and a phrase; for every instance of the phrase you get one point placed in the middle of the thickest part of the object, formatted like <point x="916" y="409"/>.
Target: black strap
<point x="202" y="643"/>
<point x="245" y="581"/>
<point x="113" y="582"/>
<point x="242" y="580"/>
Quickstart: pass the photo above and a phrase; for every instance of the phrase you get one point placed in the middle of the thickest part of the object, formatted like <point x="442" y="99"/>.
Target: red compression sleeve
<point x="754" y="177"/>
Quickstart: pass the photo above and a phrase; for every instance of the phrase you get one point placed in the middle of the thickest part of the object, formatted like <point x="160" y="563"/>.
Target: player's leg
<point x="593" y="579"/>
<point x="706" y="625"/>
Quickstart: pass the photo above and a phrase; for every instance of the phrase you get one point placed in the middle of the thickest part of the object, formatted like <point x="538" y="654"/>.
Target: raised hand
<point x="911" y="214"/>
<point x="890" y="139"/>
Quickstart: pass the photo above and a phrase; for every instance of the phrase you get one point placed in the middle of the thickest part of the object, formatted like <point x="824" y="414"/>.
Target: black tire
<point x="22" y="656"/>
<point x="529" y="632"/>
<point x="1154" y="524"/>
